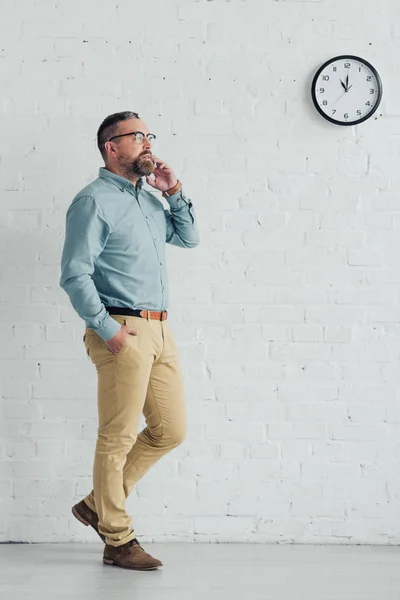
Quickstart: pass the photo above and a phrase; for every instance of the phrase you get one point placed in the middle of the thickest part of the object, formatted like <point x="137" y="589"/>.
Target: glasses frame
<point x="134" y="133"/>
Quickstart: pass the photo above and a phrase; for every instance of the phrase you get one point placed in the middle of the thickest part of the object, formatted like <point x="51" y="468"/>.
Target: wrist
<point x="173" y="190"/>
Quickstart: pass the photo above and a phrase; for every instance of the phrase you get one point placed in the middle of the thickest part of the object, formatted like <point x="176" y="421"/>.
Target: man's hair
<point x="109" y="127"/>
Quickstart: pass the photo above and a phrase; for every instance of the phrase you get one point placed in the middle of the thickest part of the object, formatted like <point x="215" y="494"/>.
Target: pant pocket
<point x="85" y="342"/>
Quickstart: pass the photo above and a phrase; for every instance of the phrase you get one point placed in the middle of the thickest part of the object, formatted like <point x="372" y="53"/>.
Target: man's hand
<point x="164" y="177"/>
<point x="121" y="338"/>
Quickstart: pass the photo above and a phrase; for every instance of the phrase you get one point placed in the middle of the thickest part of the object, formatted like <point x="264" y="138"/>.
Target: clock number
<point x="369" y="78"/>
<point x="347" y="65"/>
<point x="371" y="91"/>
<point x="335" y="68"/>
<point x="346" y="115"/>
<point x="333" y="112"/>
<point x="359" y="113"/>
<point x="322" y="90"/>
<point x="325" y="102"/>
<point x="325" y="78"/>
<point x="368" y="103"/>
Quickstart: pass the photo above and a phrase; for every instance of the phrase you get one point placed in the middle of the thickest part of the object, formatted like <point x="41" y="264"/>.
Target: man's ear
<point x="110" y="148"/>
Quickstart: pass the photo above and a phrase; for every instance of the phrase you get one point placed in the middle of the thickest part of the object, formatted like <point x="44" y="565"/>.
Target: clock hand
<point x="347" y="82"/>
<point x="341" y="96"/>
<point x="344" y="87"/>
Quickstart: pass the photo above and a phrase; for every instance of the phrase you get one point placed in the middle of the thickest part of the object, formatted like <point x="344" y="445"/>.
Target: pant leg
<point x="164" y="411"/>
<point x="123" y="381"/>
<point x="165" y="414"/>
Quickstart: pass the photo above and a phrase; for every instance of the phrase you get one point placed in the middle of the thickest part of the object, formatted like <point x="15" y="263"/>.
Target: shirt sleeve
<point x="86" y="234"/>
<point x="182" y="227"/>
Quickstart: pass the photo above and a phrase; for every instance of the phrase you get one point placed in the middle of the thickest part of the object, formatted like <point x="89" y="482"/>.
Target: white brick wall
<point x="287" y="316"/>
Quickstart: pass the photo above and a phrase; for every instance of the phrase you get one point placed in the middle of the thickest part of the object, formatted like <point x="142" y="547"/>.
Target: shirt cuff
<point x="109" y="329"/>
<point x="178" y="200"/>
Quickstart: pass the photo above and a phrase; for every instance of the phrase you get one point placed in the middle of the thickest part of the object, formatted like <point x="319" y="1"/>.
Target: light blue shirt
<point x="114" y="249"/>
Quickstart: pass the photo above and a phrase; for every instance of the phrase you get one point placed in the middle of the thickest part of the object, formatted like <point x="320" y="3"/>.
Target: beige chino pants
<point x="143" y="378"/>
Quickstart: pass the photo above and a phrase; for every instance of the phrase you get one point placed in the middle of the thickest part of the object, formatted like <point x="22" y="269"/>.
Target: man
<point x="114" y="272"/>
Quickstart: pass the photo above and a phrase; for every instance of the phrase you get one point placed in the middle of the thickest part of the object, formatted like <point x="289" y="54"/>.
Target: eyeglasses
<point x="139" y="137"/>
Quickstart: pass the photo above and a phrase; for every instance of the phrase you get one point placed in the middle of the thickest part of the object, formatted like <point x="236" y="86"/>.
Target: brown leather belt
<point x="145" y="314"/>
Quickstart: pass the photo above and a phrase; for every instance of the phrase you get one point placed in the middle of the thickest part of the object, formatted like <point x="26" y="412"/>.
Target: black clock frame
<point x="344" y="57"/>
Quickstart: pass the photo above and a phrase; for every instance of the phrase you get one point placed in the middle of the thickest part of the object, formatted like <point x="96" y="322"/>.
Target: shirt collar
<point x="117" y="180"/>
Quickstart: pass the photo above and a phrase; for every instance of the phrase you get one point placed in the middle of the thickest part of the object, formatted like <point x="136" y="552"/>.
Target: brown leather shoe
<point x="87" y="516"/>
<point x="130" y="556"/>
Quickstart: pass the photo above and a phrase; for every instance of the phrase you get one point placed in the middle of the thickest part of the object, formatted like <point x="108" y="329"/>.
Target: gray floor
<point x="203" y="571"/>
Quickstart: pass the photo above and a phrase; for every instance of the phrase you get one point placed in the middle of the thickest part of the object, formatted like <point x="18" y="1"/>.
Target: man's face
<point x="133" y="159"/>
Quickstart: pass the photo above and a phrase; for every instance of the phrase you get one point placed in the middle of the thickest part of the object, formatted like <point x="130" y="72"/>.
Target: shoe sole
<point x="112" y="563"/>
<point x="86" y="523"/>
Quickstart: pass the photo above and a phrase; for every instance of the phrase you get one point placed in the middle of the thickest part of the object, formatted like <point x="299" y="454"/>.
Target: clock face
<point x="346" y="90"/>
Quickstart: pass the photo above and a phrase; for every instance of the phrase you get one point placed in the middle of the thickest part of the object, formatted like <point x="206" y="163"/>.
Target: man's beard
<point x="141" y="166"/>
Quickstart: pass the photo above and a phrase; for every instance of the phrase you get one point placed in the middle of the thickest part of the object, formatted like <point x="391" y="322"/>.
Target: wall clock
<point x="346" y="90"/>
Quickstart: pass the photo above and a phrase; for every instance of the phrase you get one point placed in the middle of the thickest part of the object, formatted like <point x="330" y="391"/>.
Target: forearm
<point x="86" y="301"/>
<point x="182" y="229"/>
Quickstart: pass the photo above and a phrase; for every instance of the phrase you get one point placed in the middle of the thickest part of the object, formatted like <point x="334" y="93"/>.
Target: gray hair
<point x="109" y="127"/>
